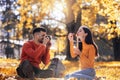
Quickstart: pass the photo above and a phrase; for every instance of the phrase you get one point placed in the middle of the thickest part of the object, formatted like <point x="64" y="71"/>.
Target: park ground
<point x="105" y="70"/>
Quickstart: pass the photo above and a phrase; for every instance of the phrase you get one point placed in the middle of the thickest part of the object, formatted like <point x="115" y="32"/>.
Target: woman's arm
<point x="74" y="51"/>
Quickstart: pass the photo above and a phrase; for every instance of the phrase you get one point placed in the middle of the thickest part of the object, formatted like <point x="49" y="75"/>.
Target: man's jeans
<point x="27" y="70"/>
<point x="87" y="74"/>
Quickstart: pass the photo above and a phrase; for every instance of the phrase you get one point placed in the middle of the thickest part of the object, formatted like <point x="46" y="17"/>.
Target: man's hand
<point x="46" y="40"/>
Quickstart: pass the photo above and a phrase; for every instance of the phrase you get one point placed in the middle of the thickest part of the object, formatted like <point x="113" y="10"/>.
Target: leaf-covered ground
<point x="105" y="70"/>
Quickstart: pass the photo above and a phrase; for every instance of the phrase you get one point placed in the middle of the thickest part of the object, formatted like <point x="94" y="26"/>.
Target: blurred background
<point x="60" y="17"/>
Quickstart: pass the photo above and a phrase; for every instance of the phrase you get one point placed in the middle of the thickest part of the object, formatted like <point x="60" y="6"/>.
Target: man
<point x="33" y="53"/>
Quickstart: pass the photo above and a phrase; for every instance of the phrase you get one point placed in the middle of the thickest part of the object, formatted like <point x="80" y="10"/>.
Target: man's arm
<point x="46" y="56"/>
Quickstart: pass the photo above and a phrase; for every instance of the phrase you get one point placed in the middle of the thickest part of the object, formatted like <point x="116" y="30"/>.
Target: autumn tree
<point x="73" y="22"/>
<point x="8" y="24"/>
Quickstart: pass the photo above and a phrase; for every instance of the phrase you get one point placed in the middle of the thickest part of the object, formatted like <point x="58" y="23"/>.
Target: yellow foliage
<point x="107" y="8"/>
<point x="29" y="20"/>
<point x="43" y="5"/>
<point x="76" y="9"/>
<point x="19" y="26"/>
<point x="112" y="30"/>
<point x="20" y="1"/>
<point x="23" y="18"/>
<point x="109" y="36"/>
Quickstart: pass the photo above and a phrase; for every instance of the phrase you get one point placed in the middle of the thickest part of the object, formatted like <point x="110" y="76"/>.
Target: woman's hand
<point x="70" y="36"/>
<point x="77" y="51"/>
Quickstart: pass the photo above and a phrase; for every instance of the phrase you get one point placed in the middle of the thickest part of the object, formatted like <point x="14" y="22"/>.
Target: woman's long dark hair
<point x="88" y="40"/>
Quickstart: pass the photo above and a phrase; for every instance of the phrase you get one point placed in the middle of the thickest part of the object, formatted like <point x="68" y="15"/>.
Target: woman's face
<point x="80" y="32"/>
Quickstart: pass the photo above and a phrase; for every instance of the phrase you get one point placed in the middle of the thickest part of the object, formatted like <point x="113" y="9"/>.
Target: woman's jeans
<point x="87" y="74"/>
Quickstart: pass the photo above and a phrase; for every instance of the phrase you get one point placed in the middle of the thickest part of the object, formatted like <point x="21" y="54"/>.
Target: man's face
<point x="40" y="36"/>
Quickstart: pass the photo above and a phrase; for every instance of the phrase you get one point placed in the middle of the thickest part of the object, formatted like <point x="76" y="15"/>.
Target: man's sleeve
<point x="46" y="57"/>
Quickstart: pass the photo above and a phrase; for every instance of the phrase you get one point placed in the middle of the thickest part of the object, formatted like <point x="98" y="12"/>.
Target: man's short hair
<point x="38" y="29"/>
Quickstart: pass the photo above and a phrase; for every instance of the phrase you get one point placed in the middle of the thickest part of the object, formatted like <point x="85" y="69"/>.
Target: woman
<point x="87" y="52"/>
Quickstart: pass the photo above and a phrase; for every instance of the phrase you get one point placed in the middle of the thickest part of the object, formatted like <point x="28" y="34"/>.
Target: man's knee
<point x="25" y="62"/>
<point x="25" y="69"/>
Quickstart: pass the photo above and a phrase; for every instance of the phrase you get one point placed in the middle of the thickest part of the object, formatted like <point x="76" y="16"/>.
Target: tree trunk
<point x="72" y="27"/>
<point x="116" y="48"/>
<point x="69" y="23"/>
<point x="69" y="13"/>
